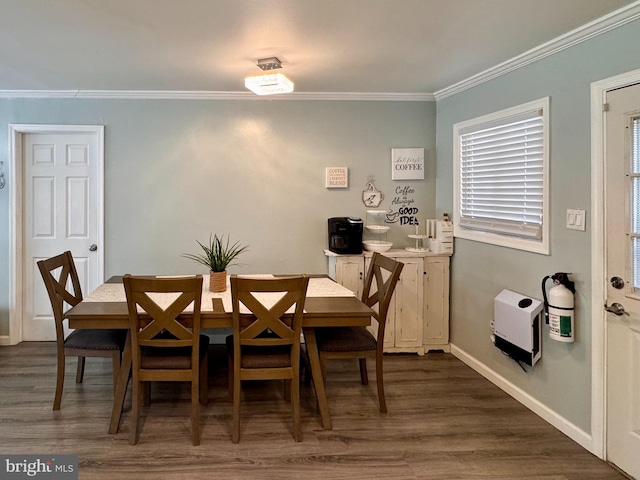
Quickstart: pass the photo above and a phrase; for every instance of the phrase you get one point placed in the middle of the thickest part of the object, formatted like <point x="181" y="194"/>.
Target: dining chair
<point x="163" y="349"/>
<point x="63" y="287"/>
<point x="359" y="342"/>
<point x="265" y="345"/>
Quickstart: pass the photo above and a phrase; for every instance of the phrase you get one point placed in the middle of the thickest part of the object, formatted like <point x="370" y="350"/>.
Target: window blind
<point x="502" y="176"/>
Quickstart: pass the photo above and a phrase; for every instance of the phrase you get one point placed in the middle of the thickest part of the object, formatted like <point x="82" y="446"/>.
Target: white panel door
<point x="60" y="213"/>
<point x="623" y="278"/>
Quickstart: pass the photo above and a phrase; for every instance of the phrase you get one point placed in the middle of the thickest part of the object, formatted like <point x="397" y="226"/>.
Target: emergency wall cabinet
<point x="418" y="318"/>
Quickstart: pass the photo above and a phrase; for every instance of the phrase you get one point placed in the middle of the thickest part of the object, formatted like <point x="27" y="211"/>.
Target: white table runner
<point x="318" y="287"/>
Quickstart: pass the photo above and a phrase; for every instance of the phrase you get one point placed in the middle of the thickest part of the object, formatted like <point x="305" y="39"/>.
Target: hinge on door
<point x="605" y="107"/>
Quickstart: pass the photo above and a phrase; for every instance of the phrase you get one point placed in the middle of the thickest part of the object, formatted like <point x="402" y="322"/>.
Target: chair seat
<point x="345" y="339"/>
<point x="171" y="358"/>
<point x="261" y="357"/>
<point x="96" y="339"/>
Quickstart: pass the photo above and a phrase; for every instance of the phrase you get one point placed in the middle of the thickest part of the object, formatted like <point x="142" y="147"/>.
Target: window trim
<point x="530" y="245"/>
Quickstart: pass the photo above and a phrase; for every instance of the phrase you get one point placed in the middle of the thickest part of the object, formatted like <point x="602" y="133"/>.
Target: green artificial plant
<point x="217" y="254"/>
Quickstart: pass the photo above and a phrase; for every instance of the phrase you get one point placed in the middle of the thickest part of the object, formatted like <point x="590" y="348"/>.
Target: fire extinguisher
<point x="559" y="309"/>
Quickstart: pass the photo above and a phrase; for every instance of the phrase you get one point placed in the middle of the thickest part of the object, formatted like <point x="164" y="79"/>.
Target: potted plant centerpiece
<point x="217" y="256"/>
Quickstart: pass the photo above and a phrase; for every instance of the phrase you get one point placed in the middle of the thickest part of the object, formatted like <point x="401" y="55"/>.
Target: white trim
<point x="534" y="246"/>
<point x="598" y="258"/>
<point x="554" y="418"/>
<point x="212" y="95"/>
<point x="5" y="340"/>
<point x="581" y="34"/>
<point x="16" y="274"/>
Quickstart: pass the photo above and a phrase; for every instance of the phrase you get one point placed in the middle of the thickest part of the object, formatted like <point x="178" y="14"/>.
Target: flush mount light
<point x="269" y="83"/>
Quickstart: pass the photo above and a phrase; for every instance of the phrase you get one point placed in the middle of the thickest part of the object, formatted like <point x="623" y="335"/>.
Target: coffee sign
<point x="407" y="163"/>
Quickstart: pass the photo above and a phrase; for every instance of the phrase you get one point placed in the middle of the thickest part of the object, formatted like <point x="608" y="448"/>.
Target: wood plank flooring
<point x="445" y="422"/>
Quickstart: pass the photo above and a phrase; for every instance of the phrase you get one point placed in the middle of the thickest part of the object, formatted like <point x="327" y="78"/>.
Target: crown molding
<point x="581" y="34"/>
<point x="215" y="95"/>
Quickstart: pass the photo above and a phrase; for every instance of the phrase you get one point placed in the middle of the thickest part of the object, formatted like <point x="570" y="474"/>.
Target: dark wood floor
<point x="444" y="421"/>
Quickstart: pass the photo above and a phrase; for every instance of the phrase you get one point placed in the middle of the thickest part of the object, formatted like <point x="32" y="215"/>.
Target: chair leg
<point x="80" y="371"/>
<point x="195" y="411"/>
<point x="230" y="378"/>
<point x="116" y="368"/>
<point x="235" y="435"/>
<point x="380" y="382"/>
<point x="295" y="408"/>
<point x="364" y="378"/>
<point x="204" y="380"/>
<point x="59" y="381"/>
<point x="135" y="411"/>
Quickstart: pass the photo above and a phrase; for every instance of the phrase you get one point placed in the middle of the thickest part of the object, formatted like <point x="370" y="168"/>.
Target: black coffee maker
<point x="345" y="234"/>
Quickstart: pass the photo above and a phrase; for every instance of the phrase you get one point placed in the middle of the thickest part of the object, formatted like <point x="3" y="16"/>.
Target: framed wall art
<point x="407" y="164"/>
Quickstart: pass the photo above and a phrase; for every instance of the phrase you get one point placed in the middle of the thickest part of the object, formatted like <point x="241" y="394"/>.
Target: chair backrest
<point x="386" y="273"/>
<point x="272" y="313"/>
<point x="154" y="307"/>
<point x="57" y="286"/>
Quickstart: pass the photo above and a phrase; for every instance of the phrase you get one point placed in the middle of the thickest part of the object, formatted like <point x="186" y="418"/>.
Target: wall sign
<point x="402" y="209"/>
<point x="407" y="163"/>
<point x="372" y="197"/>
<point x="337" y="177"/>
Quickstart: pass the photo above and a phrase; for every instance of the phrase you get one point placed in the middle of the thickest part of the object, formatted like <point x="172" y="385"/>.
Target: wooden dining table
<point x="328" y="304"/>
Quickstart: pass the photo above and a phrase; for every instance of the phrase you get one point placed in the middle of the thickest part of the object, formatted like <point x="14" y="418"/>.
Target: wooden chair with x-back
<point x="265" y="345"/>
<point x="163" y="349"/>
<point x="63" y="287"/>
<point x="358" y="342"/>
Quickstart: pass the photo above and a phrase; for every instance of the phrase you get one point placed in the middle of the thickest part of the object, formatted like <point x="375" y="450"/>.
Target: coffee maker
<point x="345" y="234"/>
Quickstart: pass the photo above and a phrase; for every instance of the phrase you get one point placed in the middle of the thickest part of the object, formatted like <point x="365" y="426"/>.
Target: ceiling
<point x="361" y="46"/>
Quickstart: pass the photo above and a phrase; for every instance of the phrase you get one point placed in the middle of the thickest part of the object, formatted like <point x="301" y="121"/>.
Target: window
<point x="500" y="178"/>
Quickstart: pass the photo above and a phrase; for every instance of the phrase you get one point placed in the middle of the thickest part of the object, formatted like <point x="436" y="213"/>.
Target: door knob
<point x="617" y="282"/>
<point x="93" y="248"/>
<point x="616" y="309"/>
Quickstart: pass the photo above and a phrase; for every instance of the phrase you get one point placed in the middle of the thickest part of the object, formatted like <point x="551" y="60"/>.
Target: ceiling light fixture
<point x="269" y="83"/>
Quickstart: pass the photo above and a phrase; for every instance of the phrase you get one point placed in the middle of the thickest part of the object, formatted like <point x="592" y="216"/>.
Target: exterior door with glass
<point x="623" y="278"/>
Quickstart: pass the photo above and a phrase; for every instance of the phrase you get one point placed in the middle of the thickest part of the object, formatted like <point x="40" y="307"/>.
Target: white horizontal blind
<point x="501" y="176"/>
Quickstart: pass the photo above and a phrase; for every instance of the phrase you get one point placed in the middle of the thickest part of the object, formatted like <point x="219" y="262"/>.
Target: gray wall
<point x="562" y="380"/>
<point x="176" y="170"/>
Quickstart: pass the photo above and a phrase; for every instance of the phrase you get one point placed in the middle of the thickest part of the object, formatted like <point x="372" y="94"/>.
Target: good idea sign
<point x="407" y="163"/>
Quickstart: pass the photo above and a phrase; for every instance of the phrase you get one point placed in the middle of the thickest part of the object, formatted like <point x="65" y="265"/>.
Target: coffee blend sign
<point x="407" y="163"/>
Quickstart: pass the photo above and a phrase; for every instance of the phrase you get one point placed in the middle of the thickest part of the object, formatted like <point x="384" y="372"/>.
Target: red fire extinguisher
<point x="559" y="307"/>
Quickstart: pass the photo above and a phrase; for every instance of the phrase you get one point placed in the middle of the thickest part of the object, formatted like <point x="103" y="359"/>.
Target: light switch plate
<point x="576" y="219"/>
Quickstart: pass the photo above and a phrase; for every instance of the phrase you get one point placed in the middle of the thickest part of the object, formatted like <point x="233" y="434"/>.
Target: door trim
<point x="16" y="212"/>
<point x="599" y="92"/>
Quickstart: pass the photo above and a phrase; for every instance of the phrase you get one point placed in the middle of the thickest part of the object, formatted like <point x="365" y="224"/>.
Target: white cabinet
<point x="436" y="303"/>
<point x="418" y="317"/>
<point x="348" y="271"/>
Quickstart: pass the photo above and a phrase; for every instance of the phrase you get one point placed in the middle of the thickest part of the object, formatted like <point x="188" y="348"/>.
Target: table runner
<point x="318" y="287"/>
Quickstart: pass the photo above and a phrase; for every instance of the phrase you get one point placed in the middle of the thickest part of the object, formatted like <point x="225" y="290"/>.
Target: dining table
<point x="328" y="304"/>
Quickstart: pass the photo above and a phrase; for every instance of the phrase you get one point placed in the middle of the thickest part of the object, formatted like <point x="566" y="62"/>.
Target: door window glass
<point x="635" y="203"/>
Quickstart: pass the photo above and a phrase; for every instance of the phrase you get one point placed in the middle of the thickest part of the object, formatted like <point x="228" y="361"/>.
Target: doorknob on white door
<point x="93" y="248"/>
<point x="617" y="282"/>
<point x="616" y="309"/>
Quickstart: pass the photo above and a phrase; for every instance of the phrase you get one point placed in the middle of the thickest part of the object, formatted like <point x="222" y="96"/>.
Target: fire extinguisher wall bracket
<point x="559" y="307"/>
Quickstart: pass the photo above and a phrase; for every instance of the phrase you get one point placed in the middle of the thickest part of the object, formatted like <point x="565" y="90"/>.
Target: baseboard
<point x="558" y="421"/>
<point x="4" y="340"/>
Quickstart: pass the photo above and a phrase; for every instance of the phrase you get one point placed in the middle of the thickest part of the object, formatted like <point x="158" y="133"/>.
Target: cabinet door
<point x="436" y="325"/>
<point x="407" y="304"/>
<point x="350" y="273"/>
